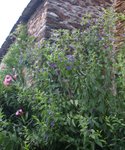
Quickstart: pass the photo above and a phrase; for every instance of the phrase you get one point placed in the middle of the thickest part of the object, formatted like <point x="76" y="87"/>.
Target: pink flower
<point x="19" y="112"/>
<point x="8" y="79"/>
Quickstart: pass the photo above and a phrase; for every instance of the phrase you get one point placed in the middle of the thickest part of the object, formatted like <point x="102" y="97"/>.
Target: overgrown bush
<point x="60" y="95"/>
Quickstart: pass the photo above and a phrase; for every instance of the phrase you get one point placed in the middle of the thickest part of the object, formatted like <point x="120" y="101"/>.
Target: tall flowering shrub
<point x="59" y="96"/>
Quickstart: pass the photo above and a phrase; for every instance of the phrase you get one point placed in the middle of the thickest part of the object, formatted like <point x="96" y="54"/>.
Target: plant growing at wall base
<point x="62" y="97"/>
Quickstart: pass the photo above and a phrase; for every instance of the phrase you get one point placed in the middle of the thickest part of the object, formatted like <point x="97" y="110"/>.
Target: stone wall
<point x="62" y="14"/>
<point x="119" y="7"/>
<point x="37" y="22"/>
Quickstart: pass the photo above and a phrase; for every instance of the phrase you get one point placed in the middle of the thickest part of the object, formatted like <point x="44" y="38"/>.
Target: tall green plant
<point x="62" y="97"/>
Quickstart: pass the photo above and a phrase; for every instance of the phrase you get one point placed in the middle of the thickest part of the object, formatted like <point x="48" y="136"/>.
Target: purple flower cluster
<point x="52" y="124"/>
<point x="68" y="67"/>
<point x="53" y="65"/>
<point x="70" y="58"/>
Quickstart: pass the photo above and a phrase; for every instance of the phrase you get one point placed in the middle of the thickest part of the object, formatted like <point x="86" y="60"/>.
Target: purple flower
<point x="88" y="25"/>
<point x="95" y="20"/>
<point x="111" y="39"/>
<point x="105" y="46"/>
<point x="68" y="67"/>
<point x="53" y="65"/>
<point x="39" y="44"/>
<point x="99" y="37"/>
<point x="52" y="124"/>
<point x="43" y="69"/>
<point x="123" y="35"/>
<point x="70" y="58"/>
<point x="59" y="57"/>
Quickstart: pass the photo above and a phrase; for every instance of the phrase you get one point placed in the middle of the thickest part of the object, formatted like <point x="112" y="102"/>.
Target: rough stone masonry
<point x="62" y="14"/>
<point x="42" y="16"/>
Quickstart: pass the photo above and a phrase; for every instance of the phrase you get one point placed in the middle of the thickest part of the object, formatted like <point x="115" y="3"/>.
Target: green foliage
<point x="64" y="89"/>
